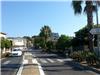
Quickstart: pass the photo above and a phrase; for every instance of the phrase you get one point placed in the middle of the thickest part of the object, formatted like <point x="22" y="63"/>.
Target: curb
<point x="92" y="69"/>
<point x="89" y="68"/>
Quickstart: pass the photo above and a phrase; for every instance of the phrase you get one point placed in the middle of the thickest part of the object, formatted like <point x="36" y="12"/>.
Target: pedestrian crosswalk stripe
<point x="60" y="60"/>
<point x="43" y="61"/>
<point x="6" y="62"/>
<point x="50" y="60"/>
<point x="68" y="59"/>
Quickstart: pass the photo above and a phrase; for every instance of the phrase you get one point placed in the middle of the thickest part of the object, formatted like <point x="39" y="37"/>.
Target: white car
<point x="16" y="52"/>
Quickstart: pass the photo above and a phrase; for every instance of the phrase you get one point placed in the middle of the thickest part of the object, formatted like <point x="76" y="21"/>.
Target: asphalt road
<point x="53" y="64"/>
<point x="10" y="65"/>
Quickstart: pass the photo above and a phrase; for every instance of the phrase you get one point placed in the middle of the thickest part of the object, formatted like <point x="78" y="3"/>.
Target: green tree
<point x="2" y="43"/>
<point x="5" y="43"/>
<point x="63" y="43"/>
<point x="8" y="44"/>
<point x="45" y="33"/>
<point x="83" y="35"/>
<point x="90" y="7"/>
<point x="39" y="42"/>
<point x="68" y="42"/>
<point x="77" y="44"/>
<point x="50" y="45"/>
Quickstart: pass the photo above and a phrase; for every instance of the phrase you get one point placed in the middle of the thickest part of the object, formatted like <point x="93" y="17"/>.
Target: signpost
<point x="96" y="31"/>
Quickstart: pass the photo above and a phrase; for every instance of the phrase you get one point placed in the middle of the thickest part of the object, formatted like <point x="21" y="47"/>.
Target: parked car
<point x="16" y="52"/>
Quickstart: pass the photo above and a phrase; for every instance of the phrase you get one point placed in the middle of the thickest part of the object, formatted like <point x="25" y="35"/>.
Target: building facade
<point x="54" y="37"/>
<point x="18" y="42"/>
<point x="3" y="35"/>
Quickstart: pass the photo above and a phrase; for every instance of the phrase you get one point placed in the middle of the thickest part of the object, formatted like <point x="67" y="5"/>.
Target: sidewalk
<point x="86" y="66"/>
<point x="29" y="66"/>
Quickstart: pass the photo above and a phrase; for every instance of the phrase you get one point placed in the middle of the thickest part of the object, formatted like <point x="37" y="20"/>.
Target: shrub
<point x="5" y="55"/>
<point x="77" y="56"/>
<point x="91" y="58"/>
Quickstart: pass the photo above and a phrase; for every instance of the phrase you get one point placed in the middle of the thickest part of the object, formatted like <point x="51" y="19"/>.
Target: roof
<point x="3" y="33"/>
<point x="16" y="38"/>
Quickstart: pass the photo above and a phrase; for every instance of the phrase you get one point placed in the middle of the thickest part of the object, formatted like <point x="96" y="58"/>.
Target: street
<point x="52" y="64"/>
<point x="10" y="65"/>
<point x="56" y="65"/>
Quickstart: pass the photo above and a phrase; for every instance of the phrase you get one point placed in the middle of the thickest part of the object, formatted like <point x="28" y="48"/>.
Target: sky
<point x="25" y="18"/>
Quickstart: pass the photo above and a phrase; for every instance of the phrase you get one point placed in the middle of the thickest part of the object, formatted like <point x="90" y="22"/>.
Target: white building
<point x="3" y="35"/>
<point x="18" y="42"/>
<point x="54" y="37"/>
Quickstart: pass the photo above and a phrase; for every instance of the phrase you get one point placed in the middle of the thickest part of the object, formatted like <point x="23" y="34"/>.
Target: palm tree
<point x="90" y="7"/>
<point x="45" y="33"/>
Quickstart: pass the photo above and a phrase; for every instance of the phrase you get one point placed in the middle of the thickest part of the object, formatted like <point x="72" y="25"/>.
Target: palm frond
<point x="77" y="6"/>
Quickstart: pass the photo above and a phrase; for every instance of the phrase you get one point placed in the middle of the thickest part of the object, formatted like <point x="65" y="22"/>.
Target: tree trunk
<point x="90" y="24"/>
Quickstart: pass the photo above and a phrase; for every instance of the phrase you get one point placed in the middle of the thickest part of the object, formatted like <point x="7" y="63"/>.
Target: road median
<point x="29" y="66"/>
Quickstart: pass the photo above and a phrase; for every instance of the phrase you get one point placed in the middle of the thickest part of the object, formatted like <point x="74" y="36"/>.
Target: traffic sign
<point x="95" y="31"/>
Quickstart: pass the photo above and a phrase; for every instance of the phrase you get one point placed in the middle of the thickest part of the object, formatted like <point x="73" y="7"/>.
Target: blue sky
<point x="27" y="18"/>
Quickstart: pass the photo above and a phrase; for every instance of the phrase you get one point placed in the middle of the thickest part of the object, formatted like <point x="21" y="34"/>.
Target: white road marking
<point x="6" y="62"/>
<point x="43" y="60"/>
<point x="60" y="60"/>
<point x="33" y="55"/>
<point x="21" y="67"/>
<point x="68" y="59"/>
<point x="28" y="53"/>
<point x="40" y="69"/>
<point x="34" y="61"/>
<point x="25" y="61"/>
<point x="39" y="66"/>
<point x="20" y="70"/>
<point x="50" y="60"/>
